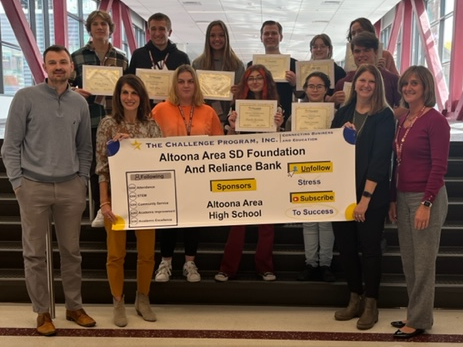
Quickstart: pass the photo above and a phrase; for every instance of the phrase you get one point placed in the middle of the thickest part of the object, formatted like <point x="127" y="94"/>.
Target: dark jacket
<point x="373" y="151"/>
<point x="141" y="58"/>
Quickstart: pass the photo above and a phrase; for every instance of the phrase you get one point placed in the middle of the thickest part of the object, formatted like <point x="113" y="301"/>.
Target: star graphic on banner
<point x="136" y="145"/>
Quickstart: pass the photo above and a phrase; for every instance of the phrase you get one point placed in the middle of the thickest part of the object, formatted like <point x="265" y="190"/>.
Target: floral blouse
<point x="108" y="128"/>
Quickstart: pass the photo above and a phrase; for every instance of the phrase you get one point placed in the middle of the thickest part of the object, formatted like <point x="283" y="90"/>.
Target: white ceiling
<point x="301" y="20"/>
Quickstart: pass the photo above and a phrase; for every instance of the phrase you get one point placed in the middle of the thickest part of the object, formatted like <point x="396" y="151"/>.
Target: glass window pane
<point x="446" y="70"/>
<point x="433" y="8"/>
<point x="6" y="29"/>
<point x="449" y="6"/>
<point x="73" y="34"/>
<point x="447" y="44"/>
<point x="13" y="69"/>
<point x="88" y="6"/>
<point x="51" y="21"/>
<point x="39" y="25"/>
<point x="73" y="6"/>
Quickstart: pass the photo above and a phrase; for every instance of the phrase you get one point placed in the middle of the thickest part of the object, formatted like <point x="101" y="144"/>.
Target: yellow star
<point x="136" y="145"/>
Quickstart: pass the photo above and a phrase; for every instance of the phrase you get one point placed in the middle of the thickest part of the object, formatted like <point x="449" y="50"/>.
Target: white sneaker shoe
<point x="268" y="276"/>
<point x="98" y="222"/>
<point x="163" y="272"/>
<point x="190" y="271"/>
<point x="221" y="277"/>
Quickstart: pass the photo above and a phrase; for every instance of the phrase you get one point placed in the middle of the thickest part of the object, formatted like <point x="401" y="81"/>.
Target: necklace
<point x="187" y="125"/>
<point x="399" y="144"/>
<point x="363" y="123"/>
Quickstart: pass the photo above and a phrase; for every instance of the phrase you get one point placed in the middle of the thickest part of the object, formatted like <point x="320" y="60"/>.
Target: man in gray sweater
<point x="47" y="153"/>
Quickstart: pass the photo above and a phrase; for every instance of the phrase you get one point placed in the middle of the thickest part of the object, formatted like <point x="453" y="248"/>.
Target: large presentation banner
<point x="191" y="181"/>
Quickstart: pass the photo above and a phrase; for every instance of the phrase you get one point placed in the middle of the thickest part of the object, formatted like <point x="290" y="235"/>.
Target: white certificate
<point x="100" y="80"/>
<point x="346" y="89"/>
<point x="311" y="115"/>
<point x="216" y="85"/>
<point x="255" y="115"/>
<point x="157" y="82"/>
<point x="277" y="64"/>
<point x="350" y="65"/>
<point x="305" y="68"/>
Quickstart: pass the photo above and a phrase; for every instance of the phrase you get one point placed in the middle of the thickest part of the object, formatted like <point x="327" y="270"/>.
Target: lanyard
<point x="398" y="146"/>
<point x="159" y="64"/>
<point x="187" y="125"/>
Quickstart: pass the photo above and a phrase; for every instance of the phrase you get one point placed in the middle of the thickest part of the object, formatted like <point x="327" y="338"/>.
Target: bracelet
<point x="105" y="203"/>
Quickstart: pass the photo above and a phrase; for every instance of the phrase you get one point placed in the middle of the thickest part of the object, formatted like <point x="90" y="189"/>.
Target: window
<point x="440" y="13"/>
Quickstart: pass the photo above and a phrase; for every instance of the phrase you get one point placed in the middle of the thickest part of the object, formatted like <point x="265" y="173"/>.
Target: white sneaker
<point x="221" y="277"/>
<point x="268" y="276"/>
<point x="98" y="222"/>
<point x="190" y="271"/>
<point x="163" y="272"/>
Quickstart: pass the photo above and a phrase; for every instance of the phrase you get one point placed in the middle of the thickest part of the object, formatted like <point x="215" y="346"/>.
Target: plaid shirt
<point x="99" y="105"/>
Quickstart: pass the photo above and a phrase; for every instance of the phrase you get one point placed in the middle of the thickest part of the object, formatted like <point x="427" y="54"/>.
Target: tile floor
<point x="223" y="326"/>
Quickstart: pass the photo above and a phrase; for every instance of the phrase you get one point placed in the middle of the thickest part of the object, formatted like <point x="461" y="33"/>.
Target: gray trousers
<point x="65" y="203"/>
<point x="418" y="249"/>
<point x="318" y="243"/>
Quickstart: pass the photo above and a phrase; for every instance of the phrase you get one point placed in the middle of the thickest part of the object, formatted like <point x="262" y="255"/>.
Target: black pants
<point x="353" y="238"/>
<point x="169" y="238"/>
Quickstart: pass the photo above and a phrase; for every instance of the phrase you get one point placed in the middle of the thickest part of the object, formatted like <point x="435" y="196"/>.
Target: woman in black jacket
<point x="368" y="113"/>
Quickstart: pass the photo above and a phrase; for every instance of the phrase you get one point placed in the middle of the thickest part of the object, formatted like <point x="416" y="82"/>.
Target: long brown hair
<point x="205" y="61"/>
<point x="137" y="84"/>
<point x="378" y="100"/>
<point x="366" y="25"/>
<point x="269" y="91"/>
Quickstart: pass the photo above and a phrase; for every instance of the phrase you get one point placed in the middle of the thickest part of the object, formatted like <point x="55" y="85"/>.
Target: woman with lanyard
<point x="318" y="237"/>
<point x="219" y="56"/>
<point x="368" y="113"/>
<point x="184" y="113"/>
<point x="419" y="197"/>
<point x="130" y="118"/>
<point x="257" y="83"/>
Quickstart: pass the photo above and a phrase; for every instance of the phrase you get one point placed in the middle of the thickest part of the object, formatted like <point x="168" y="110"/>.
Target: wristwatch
<point x="367" y="194"/>
<point x="426" y="203"/>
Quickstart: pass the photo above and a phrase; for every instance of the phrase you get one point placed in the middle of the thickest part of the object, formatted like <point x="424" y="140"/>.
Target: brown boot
<point x="142" y="306"/>
<point x="80" y="317"/>
<point x="45" y="325"/>
<point x="353" y="309"/>
<point x="369" y="316"/>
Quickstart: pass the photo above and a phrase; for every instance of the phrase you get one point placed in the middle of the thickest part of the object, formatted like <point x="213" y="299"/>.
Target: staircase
<point x="248" y="289"/>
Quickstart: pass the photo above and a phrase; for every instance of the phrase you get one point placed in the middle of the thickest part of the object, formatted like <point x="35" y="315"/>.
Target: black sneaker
<point x="327" y="274"/>
<point x="306" y="274"/>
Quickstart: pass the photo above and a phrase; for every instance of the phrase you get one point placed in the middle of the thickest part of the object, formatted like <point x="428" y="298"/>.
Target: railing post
<point x="91" y="209"/>
<point x="51" y="289"/>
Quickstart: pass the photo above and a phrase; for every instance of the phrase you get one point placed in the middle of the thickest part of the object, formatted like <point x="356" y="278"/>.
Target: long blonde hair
<point x="205" y="61"/>
<point x="198" y="98"/>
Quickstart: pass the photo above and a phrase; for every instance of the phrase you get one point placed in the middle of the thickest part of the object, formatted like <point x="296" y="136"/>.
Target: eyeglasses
<point x="319" y="47"/>
<point x="316" y="86"/>
<point x="255" y="79"/>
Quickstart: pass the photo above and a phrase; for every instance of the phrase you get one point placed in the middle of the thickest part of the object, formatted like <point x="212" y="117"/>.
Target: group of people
<point x="56" y="139"/>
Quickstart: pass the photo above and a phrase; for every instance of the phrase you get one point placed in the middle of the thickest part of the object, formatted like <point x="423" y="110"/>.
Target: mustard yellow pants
<point x="116" y="243"/>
